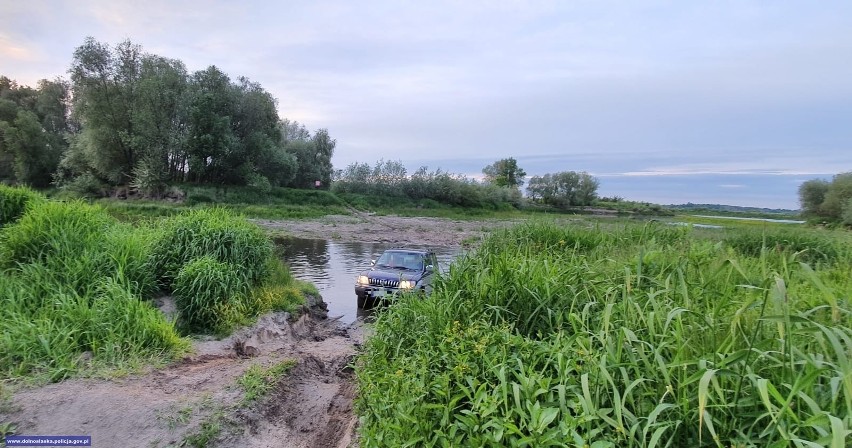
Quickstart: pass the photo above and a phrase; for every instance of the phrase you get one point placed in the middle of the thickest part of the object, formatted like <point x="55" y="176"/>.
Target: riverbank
<point x="199" y="401"/>
<point x="402" y="230"/>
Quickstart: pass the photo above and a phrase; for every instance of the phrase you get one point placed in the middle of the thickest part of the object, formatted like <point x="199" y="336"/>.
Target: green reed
<point x="637" y="336"/>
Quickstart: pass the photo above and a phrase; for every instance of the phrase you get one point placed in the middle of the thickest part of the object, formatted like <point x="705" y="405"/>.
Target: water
<point x="333" y="265"/>
<point x="740" y="218"/>
<point x="697" y="226"/>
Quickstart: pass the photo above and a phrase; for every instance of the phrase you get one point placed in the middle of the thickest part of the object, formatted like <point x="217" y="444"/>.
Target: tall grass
<point x="74" y="284"/>
<point x="214" y="232"/>
<point x="208" y="294"/>
<point x="73" y="281"/>
<point x="14" y="201"/>
<point x="640" y="336"/>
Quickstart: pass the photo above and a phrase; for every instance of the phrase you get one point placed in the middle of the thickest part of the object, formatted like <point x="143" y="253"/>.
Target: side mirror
<point x="430" y="268"/>
<point x="372" y="262"/>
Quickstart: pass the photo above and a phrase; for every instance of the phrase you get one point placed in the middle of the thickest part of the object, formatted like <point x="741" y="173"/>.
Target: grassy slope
<point x="75" y="284"/>
<point x="623" y="335"/>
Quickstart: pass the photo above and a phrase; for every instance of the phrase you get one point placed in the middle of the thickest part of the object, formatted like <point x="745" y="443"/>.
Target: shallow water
<point x="740" y="218"/>
<point x="333" y="266"/>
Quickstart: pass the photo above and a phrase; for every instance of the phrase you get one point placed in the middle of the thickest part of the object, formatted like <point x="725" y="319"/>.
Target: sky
<point x="731" y="102"/>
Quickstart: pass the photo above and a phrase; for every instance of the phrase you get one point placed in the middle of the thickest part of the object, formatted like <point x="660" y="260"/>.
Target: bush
<point x="208" y="294"/>
<point x="214" y="232"/>
<point x="86" y="185"/>
<point x="14" y="201"/>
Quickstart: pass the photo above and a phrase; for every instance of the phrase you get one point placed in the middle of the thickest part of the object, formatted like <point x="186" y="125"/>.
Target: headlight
<point x="407" y="284"/>
<point x="363" y="280"/>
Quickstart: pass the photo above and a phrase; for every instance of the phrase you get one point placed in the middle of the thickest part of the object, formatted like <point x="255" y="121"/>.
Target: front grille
<point x="384" y="283"/>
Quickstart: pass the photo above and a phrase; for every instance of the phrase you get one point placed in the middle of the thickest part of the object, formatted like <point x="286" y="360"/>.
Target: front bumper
<point x="376" y="292"/>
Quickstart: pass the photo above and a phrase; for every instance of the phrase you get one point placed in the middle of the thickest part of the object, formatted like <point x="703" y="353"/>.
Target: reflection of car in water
<point x="397" y="270"/>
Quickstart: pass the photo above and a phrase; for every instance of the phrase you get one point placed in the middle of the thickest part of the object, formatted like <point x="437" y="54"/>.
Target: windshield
<point x="401" y="260"/>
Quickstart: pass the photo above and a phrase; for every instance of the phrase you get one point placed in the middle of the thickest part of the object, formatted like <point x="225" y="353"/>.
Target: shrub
<point x="86" y="185"/>
<point x="14" y="201"/>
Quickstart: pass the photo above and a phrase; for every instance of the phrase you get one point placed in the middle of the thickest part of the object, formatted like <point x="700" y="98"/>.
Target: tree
<point x="324" y="145"/>
<point x="34" y="158"/>
<point x="811" y="196"/>
<point x="105" y="87"/>
<point x="292" y="130"/>
<point x="505" y="173"/>
<point x="837" y="196"/>
<point x="33" y="123"/>
<point x="567" y="188"/>
<point x="212" y="145"/>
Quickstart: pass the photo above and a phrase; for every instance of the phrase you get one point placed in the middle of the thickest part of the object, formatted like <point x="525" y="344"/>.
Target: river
<point x="333" y="266"/>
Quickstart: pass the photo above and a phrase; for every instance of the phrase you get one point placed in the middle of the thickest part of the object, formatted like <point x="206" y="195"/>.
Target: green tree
<point x="105" y="84"/>
<point x="212" y="145"/>
<point x="34" y="158"/>
<point x="567" y="188"/>
<point x="811" y="196"/>
<point x="324" y="145"/>
<point x="161" y="123"/>
<point x="837" y="196"/>
<point x="33" y="124"/>
<point x="505" y="173"/>
<point x="313" y="156"/>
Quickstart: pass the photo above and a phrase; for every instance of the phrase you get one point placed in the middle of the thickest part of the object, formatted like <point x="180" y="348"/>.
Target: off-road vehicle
<point x="397" y="270"/>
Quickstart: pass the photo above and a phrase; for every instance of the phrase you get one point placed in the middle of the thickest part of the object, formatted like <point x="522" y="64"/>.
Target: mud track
<point x="310" y="407"/>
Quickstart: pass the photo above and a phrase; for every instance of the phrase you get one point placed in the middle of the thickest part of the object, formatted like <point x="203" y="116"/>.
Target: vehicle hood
<point x="393" y="274"/>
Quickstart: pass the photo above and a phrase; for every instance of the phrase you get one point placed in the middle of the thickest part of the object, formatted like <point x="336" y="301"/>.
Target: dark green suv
<point x="397" y="270"/>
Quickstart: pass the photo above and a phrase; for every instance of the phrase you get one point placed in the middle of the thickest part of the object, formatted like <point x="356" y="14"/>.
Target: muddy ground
<point x="422" y="231"/>
<point x="172" y="406"/>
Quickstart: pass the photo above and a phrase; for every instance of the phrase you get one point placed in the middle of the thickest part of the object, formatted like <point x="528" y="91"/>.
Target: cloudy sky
<point x="733" y="102"/>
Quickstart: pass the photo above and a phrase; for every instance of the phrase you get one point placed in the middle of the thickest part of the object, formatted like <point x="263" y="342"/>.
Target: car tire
<point x="364" y="302"/>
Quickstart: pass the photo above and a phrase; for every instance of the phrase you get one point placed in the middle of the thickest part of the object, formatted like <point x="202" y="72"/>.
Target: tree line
<point x="127" y="117"/>
<point x="561" y="189"/>
<point x="501" y="184"/>
<point x="828" y="200"/>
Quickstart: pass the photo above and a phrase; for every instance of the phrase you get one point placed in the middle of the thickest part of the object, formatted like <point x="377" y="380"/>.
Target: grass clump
<point x="74" y="282"/>
<point x="14" y="201"/>
<point x="812" y="246"/>
<point x="208" y="295"/>
<point x="217" y="233"/>
<point x="222" y="270"/>
<point x="257" y="381"/>
<point x="633" y="336"/>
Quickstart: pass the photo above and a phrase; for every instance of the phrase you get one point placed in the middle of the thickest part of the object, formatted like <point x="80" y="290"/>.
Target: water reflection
<point x="332" y="266"/>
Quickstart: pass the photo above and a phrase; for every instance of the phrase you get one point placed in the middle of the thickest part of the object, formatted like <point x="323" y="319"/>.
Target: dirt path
<point x="310" y="407"/>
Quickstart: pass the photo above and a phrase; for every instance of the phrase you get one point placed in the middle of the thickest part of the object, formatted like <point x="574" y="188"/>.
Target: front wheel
<point x="365" y="302"/>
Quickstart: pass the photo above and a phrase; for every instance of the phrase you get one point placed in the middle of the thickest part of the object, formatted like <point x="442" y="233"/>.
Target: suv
<point x="397" y="270"/>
